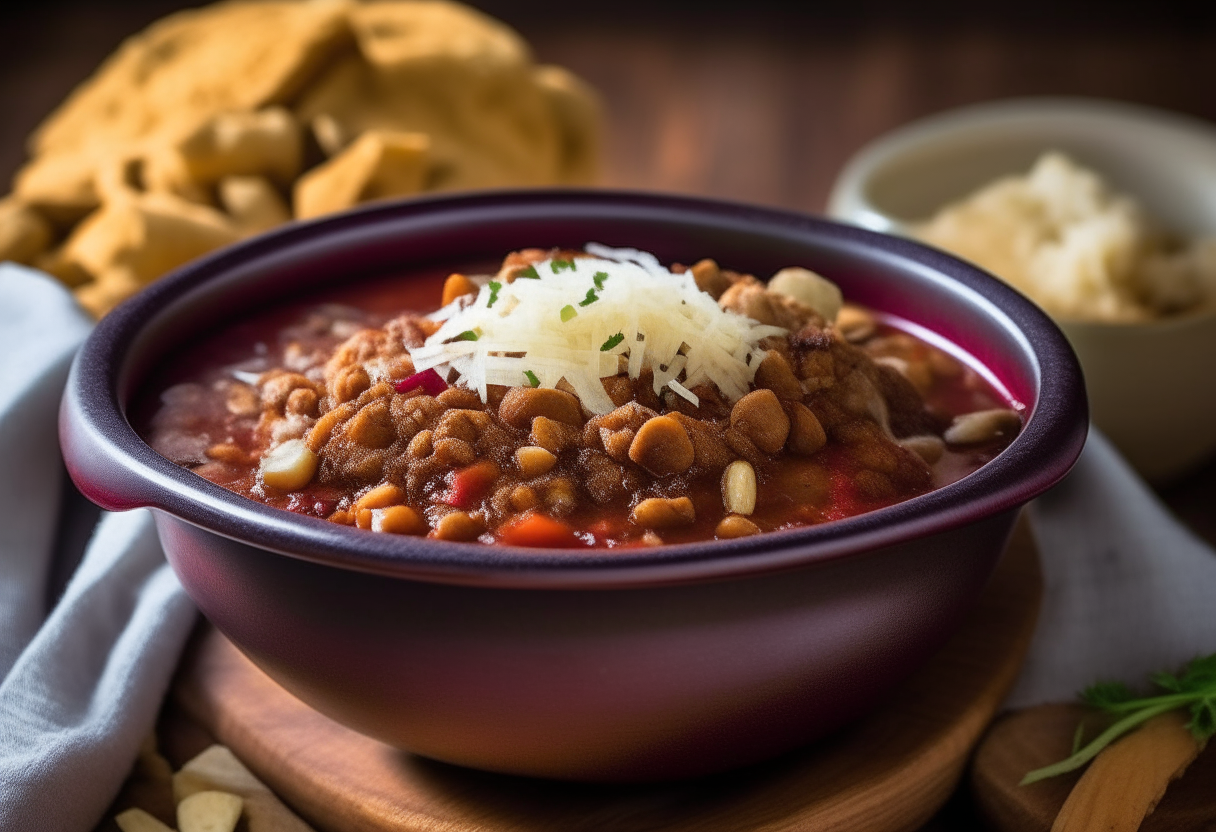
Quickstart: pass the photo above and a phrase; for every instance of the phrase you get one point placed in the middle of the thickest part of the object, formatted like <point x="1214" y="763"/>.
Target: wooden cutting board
<point x="1025" y="740"/>
<point x="890" y="771"/>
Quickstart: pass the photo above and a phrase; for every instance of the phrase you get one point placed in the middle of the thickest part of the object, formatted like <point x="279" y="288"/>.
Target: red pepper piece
<point x="539" y="531"/>
<point x="428" y="380"/>
<point x="467" y="486"/>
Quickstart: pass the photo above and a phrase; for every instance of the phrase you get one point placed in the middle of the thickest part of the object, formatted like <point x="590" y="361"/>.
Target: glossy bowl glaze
<point x="1143" y="377"/>
<point x="606" y="665"/>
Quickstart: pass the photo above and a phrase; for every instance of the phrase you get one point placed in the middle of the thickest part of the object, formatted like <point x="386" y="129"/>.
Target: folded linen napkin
<point x="1127" y="591"/>
<point x="80" y="684"/>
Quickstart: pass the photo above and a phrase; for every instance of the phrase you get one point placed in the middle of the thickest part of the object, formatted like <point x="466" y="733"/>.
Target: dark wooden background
<point x="753" y="100"/>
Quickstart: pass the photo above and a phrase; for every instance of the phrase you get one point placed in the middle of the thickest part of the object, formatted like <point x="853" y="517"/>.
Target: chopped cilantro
<point x="528" y="272"/>
<point x="568" y="312"/>
<point x="590" y="299"/>
<point x="561" y="265"/>
<point x="494" y="287"/>
<point x="612" y="342"/>
<point x="467" y="335"/>
<point x="532" y="379"/>
<point x="598" y="278"/>
<point x="1194" y="688"/>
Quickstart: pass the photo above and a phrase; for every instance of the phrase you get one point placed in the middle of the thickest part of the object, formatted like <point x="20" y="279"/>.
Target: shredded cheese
<point x="583" y="319"/>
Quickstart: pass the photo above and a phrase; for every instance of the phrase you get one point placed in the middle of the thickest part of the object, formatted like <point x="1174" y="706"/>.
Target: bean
<point x="461" y="424"/>
<point x="372" y="426"/>
<point x="454" y="452"/>
<point x="982" y="426"/>
<point x="617" y="442"/>
<point x="774" y="374"/>
<point x="398" y="520"/>
<point x="554" y="437"/>
<point x="458" y="525"/>
<point x="349" y="383"/>
<point x="739" y="487"/>
<point x="560" y="497"/>
<point x="709" y="278"/>
<point x="807" y="435"/>
<point x="855" y="324"/>
<point x="928" y="448"/>
<point x="810" y="289"/>
<point x="664" y="512"/>
<point x="290" y="466"/>
<point x="457" y="285"/>
<point x="733" y="526"/>
<point x="303" y="401"/>
<point x="460" y="398"/>
<point x="522" y="404"/>
<point x="228" y="452"/>
<point x="342" y="517"/>
<point x="662" y="447"/>
<point x="279" y="387"/>
<point x="382" y="496"/>
<point x="524" y="497"/>
<point x="760" y="417"/>
<point x="534" y="461"/>
<point x="420" y="446"/>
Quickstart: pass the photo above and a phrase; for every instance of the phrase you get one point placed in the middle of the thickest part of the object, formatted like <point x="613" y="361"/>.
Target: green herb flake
<point x="612" y="342"/>
<point x="1194" y="689"/>
<point x="494" y="287"/>
<point x="559" y="266"/>
<point x="532" y="379"/>
<point x="590" y="299"/>
<point x="568" y="312"/>
<point x="528" y="272"/>
<point x="467" y="335"/>
<point x="598" y="278"/>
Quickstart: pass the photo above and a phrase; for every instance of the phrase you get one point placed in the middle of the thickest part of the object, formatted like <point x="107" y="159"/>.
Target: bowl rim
<point x="849" y="199"/>
<point x="97" y="437"/>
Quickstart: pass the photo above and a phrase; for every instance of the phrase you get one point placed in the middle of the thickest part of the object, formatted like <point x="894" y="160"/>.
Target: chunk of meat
<point x="752" y="300"/>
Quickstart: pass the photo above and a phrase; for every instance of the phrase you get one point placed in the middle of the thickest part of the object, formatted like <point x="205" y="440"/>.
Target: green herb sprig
<point x="529" y="272"/>
<point x="612" y="342"/>
<point x="532" y="379"/>
<point x="559" y="265"/>
<point x="1194" y="688"/>
<point x="495" y="286"/>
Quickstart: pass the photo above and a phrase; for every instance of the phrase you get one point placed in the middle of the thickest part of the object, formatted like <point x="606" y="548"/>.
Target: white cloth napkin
<point x="80" y="684"/>
<point x="1128" y="591"/>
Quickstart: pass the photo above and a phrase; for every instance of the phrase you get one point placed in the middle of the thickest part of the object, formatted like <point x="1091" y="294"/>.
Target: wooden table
<point x="749" y="101"/>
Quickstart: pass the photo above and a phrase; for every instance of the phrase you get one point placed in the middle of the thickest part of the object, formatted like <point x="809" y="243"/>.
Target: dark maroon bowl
<point x="610" y="665"/>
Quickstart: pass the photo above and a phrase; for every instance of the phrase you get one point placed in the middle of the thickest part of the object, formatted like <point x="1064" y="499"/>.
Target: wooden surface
<point x="1035" y="737"/>
<point x="890" y="772"/>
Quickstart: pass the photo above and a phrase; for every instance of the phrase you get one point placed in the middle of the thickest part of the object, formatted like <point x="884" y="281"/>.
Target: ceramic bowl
<point x="1145" y="380"/>
<point x="608" y="665"/>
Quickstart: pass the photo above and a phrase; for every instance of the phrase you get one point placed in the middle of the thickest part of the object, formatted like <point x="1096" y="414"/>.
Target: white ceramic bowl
<point x="1151" y="385"/>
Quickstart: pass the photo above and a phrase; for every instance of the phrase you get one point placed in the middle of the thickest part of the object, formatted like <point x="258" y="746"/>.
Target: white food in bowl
<point x="1146" y="380"/>
<point x="1063" y="237"/>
